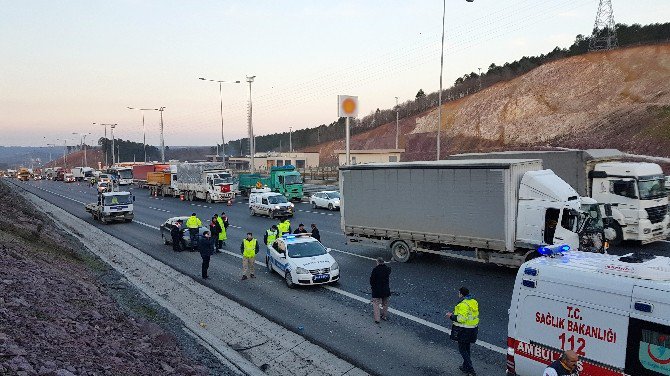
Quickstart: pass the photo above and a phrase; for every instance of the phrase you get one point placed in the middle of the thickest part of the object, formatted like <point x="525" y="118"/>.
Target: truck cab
<point x="219" y="185"/>
<point x="287" y="181"/>
<point x="639" y="201"/>
<point x="112" y="206"/>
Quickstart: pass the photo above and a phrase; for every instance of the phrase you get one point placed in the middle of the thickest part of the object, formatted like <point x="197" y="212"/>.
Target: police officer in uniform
<point x="249" y="248"/>
<point x="465" y="322"/>
<point x="193" y="224"/>
<point x="271" y="235"/>
<point x="284" y="227"/>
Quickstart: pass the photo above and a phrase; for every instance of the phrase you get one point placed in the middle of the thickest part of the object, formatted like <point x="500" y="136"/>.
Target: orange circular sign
<point x="349" y="106"/>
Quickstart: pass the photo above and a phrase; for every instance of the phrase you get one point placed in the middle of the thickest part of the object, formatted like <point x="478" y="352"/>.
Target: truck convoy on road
<point x="112" y="206"/>
<point x="282" y="179"/>
<point x="502" y="211"/>
<point x="635" y="190"/>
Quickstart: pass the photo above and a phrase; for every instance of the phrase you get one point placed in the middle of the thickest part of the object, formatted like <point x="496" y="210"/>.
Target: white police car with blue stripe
<point x="302" y="260"/>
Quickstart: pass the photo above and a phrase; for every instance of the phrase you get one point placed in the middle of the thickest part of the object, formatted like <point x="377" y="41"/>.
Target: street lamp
<point x="252" y="141"/>
<point x="64" y="152"/>
<point x="439" y="95"/>
<point x="104" y="125"/>
<point x="144" y="129"/>
<point x="290" y="139"/>
<point x="82" y="144"/>
<point x="223" y="140"/>
<point x="111" y="126"/>
<point x="397" y="117"/>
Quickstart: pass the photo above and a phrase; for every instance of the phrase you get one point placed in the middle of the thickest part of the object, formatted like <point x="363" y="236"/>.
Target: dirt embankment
<point x="611" y="99"/>
<point x="57" y="311"/>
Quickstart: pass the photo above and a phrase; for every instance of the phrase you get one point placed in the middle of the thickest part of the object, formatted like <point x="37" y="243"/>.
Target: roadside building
<point x="265" y="161"/>
<point x="369" y="156"/>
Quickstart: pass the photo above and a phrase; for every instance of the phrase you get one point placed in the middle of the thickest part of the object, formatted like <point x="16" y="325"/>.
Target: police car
<point x="613" y="311"/>
<point x="302" y="260"/>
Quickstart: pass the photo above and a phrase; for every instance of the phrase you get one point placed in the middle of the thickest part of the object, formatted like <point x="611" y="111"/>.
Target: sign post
<point x="347" y="107"/>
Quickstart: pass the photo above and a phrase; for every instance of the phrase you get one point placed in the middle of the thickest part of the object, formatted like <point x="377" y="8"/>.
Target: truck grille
<point x="320" y="271"/>
<point x="657" y="214"/>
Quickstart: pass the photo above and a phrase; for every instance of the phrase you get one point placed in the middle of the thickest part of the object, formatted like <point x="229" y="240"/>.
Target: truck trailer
<point x="209" y="181"/>
<point x="635" y="190"/>
<point x="141" y="171"/>
<point x="497" y="211"/>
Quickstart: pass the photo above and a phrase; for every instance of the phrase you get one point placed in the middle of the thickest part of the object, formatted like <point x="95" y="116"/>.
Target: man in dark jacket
<point x="315" y="232"/>
<point x="379" y="284"/>
<point x="176" y="234"/>
<point x="206" y="248"/>
<point x="300" y="230"/>
<point x="215" y="229"/>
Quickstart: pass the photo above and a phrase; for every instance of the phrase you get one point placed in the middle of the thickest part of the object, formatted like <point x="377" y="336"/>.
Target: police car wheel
<point x="289" y="280"/>
<point x="267" y="264"/>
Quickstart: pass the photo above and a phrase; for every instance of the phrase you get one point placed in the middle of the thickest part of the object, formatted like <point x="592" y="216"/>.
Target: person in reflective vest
<point x="284" y="227"/>
<point x="271" y="235"/>
<point x="193" y="224"/>
<point x="465" y="323"/>
<point x="249" y="248"/>
<point x="223" y="236"/>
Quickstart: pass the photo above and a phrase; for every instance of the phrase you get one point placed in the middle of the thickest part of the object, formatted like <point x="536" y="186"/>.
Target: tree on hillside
<point x="420" y="94"/>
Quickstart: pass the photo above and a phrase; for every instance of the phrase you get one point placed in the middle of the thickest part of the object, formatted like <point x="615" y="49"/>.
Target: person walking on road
<point x="249" y="248"/>
<point x="193" y="223"/>
<point x="215" y="229"/>
<point x="284" y="227"/>
<point x="206" y="249"/>
<point x="381" y="291"/>
<point x="315" y="232"/>
<point x="223" y="234"/>
<point x="464" y="330"/>
<point x="300" y="230"/>
<point x="175" y="233"/>
<point x="565" y="365"/>
<point x="270" y="235"/>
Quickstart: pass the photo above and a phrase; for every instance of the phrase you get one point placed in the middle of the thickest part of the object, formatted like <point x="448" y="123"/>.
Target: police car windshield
<point x="277" y="199"/>
<point x="310" y="249"/>
<point x="118" y="200"/>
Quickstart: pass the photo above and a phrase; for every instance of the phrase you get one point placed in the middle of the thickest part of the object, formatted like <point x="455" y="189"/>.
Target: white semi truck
<point x="209" y="181"/>
<point x="497" y="211"/>
<point x="635" y="190"/>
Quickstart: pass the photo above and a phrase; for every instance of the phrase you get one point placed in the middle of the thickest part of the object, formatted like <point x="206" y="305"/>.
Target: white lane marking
<point x="396" y="312"/>
<point x="146" y="224"/>
<point x="162" y="210"/>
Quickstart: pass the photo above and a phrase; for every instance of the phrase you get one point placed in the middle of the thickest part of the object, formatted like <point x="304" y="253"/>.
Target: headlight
<point x="301" y="271"/>
<point x="277" y="207"/>
<point x="291" y="204"/>
<point x="335" y="266"/>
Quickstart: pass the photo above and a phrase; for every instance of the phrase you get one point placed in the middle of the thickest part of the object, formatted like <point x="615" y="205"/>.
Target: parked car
<point x="68" y="178"/>
<point x="167" y="226"/>
<point x="326" y="199"/>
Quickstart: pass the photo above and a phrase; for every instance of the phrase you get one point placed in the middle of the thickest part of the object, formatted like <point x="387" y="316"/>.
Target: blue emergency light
<point x="551" y="250"/>
<point x="288" y="236"/>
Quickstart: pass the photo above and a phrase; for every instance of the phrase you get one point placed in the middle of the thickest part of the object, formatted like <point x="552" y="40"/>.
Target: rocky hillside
<point x="616" y="99"/>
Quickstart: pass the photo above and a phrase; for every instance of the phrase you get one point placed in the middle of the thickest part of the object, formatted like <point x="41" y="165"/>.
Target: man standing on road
<point x="193" y="224"/>
<point x="464" y="328"/>
<point x="224" y="218"/>
<point x="315" y="232"/>
<point x="249" y="248"/>
<point x="379" y="284"/>
<point x="175" y="233"/>
<point x="206" y="249"/>
<point x="565" y="365"/>
<point x="223" y="235"/>
<point x="300" y="230"/>
<point x="270" y="235"/>
<point x="215" y="229"/>
<point x="284" y="227"/>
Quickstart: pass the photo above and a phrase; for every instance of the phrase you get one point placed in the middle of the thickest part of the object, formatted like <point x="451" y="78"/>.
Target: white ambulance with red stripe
<point x="613" y="311"/>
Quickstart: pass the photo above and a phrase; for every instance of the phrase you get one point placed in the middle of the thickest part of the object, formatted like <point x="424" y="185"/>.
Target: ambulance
<point x="613" y="311"/>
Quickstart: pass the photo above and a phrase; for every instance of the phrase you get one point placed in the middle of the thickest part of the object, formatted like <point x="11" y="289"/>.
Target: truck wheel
<point x="289" y="280"/>
<point x="191" y="196"/>
<point x="128" y="220"/>
<point x="400" y="251"/>
<point x="208" y="199"/>
<point x="103" y="220"/>
<point x="618" y="238"/>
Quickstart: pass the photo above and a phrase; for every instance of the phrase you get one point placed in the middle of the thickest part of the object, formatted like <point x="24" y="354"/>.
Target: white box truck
<point x="209" y="181"/>
<point x="635" y="190"/>
<point x="501" y="211"/>
<point x="82" y="173"/>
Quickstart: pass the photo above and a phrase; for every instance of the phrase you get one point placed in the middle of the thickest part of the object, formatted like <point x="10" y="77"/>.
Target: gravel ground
<point x="65" y="312"/>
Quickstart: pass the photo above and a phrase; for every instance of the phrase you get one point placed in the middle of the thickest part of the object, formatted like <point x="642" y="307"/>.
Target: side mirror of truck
<point x="608" y="210"/>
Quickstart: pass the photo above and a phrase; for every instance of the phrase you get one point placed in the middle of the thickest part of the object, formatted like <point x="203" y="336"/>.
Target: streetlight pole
<point x="64" y="152"/>
<point x="252" y="141"/>
<point x="397" y="126"/>
<point x="104" y="125"/>
<point x="290" y="139"/>
<point x="223" y="140"/>
<point x="112" y="126"/>
<point x="144" y="129"/>
<point x="162" y="138"/>
<point x="82" y="144"/>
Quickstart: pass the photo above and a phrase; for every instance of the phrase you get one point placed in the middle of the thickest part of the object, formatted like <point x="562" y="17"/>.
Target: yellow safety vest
<point x="283" y="227"/>
<point x="467" y="313"/>
<point x="193" y="222"/>
<point x="272" y="236"/>
<point x="222" y="234"/>
<point x="249" y="248"/>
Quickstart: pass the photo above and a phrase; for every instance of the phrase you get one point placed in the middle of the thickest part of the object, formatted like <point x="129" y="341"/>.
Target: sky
<point x="68" y="64"/>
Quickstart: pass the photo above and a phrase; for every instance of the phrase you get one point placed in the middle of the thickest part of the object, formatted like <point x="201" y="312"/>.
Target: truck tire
<point x="313" y="205"/>
<point x="103" y="220"/>
<point x="619" y="234"/>
<point x="252" y="212"/>
<point x="400" y="251"/>
<point x="208" y="198"/>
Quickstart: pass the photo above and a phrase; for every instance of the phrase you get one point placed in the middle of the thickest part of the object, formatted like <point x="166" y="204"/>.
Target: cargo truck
<point x="160" y="183"/>
<point x="497" y="211"/>
<point x="140" y="172"/>
<point x="112" y="206"/>
<point x="23" y="174"/>
<point x="209" y="181"/>
<point x="82" y="173"/>
<point x="282" y="179"/>
<point x="635" y="190"/>
<point x="121" y="175"/>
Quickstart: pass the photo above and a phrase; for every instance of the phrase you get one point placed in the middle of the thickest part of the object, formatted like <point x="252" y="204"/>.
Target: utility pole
<point x="604" y="29"/>
<point x="252" y="141"/>
<point x="162" y="138"/>
<point x="480" y="79"/>
<point x="290" y="139"/>
<point x="112" y="126"/>
<point x="397" y="122"/>
<point x="104" y="125"/>
<point x="223" y="140"/>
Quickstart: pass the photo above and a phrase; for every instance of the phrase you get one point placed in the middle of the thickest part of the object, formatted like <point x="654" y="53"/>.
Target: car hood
<point x="316" y="262"/>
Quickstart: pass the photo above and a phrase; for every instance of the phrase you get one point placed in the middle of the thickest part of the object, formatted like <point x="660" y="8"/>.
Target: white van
<point x="264" y="202"/>
<point x="614" y="311"/>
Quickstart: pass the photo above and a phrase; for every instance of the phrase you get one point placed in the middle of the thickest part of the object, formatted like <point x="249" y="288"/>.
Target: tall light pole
<point x="439" y="95"/>
<point x="82" y="144"/>
<point x="112" y="126"/>
<point x="51" y="147"/>
<point x="223" y="140"/>
<point x="250" y="124"/>
<point x="397" y="126"/>
<point x="162" y="138"/>
<point x="290" y="139"/>
<point x="104" y="125"/>
<point x="64" y="152"/>
<point x="144" y="129"/>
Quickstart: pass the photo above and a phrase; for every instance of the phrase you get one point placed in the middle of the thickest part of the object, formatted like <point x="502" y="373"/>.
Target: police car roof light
<point x="551" y="250"/>
<point x="288" y="236"/>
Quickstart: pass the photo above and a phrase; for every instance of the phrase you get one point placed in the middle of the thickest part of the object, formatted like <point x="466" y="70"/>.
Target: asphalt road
<point x="339" y="318"/>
